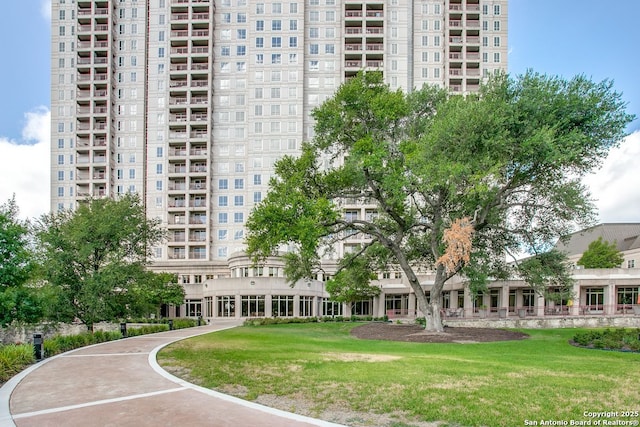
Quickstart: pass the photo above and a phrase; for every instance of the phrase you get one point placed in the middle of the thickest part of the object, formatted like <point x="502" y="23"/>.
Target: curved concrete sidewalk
<point x="119" y="383"/>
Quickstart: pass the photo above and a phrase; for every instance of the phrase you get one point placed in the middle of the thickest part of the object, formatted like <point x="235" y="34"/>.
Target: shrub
<point x="262" y="321"/>
<point x="60" y="344"/>
<point x="14" y="358"/>
<point x="610" y="339"/>
<point x="183" y="323"/>
<point x="148" y="329"/>
<point x="179" y="323"/>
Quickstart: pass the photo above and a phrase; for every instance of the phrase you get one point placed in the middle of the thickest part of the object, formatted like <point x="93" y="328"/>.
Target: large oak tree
<point x="500" y="168"/>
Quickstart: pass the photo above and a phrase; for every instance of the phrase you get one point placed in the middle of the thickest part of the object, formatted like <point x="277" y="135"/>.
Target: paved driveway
<point x="119" y="384"/>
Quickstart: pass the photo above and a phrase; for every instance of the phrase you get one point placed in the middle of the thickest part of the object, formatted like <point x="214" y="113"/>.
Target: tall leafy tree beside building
<point x="95" y="257"/>
<point x="453" y="181"/>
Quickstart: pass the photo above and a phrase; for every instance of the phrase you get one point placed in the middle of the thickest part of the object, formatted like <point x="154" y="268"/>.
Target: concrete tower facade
<point x="190" y="102"/>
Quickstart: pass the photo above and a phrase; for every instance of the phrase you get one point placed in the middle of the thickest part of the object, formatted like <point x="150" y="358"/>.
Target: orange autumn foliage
<point x="458" y="241"/>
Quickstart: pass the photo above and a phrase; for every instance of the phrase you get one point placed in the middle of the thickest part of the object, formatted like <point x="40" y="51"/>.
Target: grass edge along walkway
<point x="320" y="369"/>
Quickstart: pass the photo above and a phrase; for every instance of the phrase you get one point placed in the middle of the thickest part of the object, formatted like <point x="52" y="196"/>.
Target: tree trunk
<point x="433" y="315"/>
<point x="434" y="318"/>
<point x="431" y="310"/>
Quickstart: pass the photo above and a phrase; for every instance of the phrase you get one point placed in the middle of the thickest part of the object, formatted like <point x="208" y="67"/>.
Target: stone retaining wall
<point x="24" y="333"/>
<point x="549" y="322"/>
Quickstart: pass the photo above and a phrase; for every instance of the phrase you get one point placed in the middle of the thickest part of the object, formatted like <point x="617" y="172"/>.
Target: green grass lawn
<point x="485" y="384"/>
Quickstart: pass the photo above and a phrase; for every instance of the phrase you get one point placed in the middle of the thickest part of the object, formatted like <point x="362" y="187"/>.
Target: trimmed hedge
<point x="179" y="323"/>
<point x="262" y="321"/>
<point x="60" y="344"/>
<point x="148" y="329"/>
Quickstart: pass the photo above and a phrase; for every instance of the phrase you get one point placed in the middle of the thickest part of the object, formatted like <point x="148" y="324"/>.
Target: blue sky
<point x="564" y="37"/>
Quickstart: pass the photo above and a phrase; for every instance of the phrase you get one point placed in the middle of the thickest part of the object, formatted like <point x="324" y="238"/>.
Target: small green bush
<point x="610" y="339"/>
<point x="14" y="358"/>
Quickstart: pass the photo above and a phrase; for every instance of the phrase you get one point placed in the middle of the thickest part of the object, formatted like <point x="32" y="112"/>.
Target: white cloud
<point x="615" y="186"/>
<point x="24" y="167"/>
<point x="45" y="9"/>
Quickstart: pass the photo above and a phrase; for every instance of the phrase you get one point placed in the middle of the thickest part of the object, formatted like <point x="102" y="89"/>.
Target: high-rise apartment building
<point x="190" y="102"/>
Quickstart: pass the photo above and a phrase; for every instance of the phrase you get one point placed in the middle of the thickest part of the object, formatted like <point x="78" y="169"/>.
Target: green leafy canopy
<point x="508" y="158"/>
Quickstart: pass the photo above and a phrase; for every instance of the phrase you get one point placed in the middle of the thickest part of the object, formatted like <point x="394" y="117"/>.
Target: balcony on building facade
<point x="177" y="100"/>
<point x="200" y="66"/>
<point x="179" y="16"/>
<point x="183" y="50"/>
<point x="82" y="176"/>
<point x="199" y="49"/>
<point x="199" y="83"/>
<point x="198" y="186"/>
<point x="179" y="67"/>
<point x="198" y="237"/>
<point x="179" y="33"/>
<point x="177" y="186"/>
<point x="199" y="117"/>
<point x="198" y="254"/>
<point x="177" y="135"/>
<point x="178" y="117"/>
<point x="197" y="134"/>
<point x="198" y="219"/>
<point x="178" y="168"/>
<point x="198" y="168"/>
<point x="199" y="33"/>
<point x="198" y="151"/>
<point x="178" y="151"/>
<point x="177" y="220"/>
<point x="177" y="203"/>
<point x="83" y="110"/>
<point x="200" y="16"/>
<point x="199" y="100"/>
